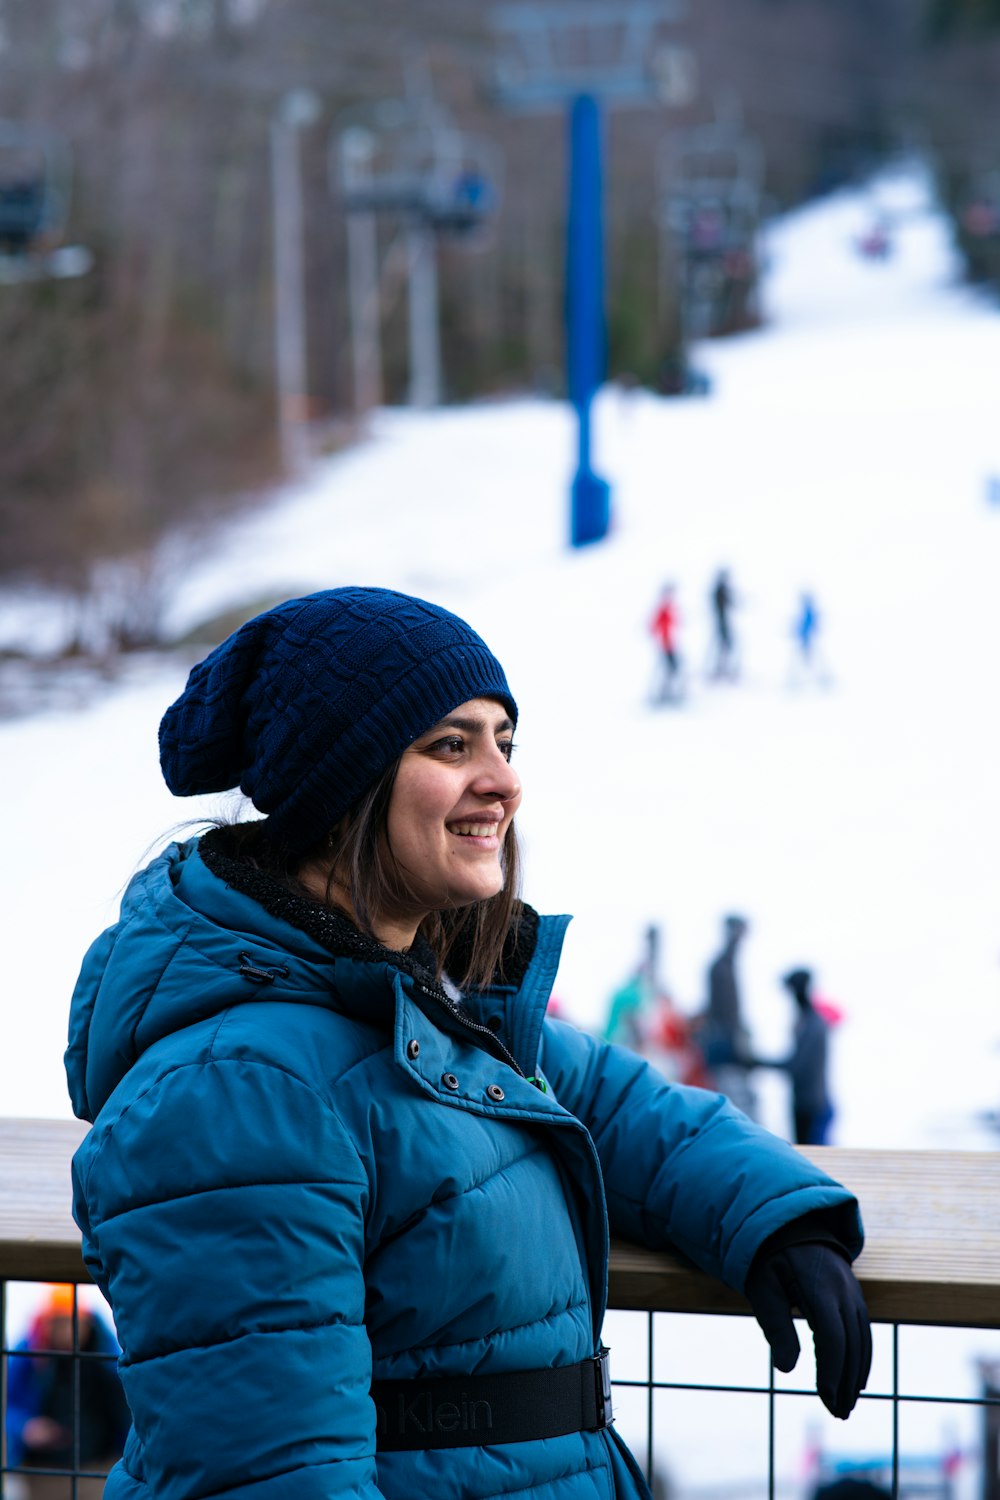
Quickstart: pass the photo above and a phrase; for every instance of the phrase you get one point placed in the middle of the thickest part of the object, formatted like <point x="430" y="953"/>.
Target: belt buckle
<point x="602" y="1387"/>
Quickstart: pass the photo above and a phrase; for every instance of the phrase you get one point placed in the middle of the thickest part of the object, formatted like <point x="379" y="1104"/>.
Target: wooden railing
<point x="932" y="1253"/>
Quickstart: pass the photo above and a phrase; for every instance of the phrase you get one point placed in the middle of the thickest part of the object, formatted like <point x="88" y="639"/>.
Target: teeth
<point x="476" y="830"/>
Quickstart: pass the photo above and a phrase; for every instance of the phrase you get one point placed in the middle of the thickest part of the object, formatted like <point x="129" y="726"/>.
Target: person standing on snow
<point x="643" y="1016"/>
<point x="807" y="660"/>
<point x="720" y="1030"/>
<point x="345" y="1182"/>
<point x="626" y="1022"/>
<point x="727" y="1036"/>
<point x="806" y="1064"/>
<point x="664" y="627"/>
<point x="724" y="661"/>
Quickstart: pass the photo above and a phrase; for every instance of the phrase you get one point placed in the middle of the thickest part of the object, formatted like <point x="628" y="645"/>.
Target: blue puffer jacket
<point x="301" y="1173"/>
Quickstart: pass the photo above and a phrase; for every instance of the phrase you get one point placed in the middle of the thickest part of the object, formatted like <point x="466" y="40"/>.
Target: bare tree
<point x="140" y="397"/>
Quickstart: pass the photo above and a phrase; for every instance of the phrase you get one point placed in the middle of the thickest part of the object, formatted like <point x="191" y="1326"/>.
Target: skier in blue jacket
<point x="347" y="1189"/>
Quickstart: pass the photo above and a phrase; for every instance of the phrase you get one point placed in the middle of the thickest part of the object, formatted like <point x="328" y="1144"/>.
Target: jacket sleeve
<point x="223" y="1216"/>
<point x="682" y="1167"/>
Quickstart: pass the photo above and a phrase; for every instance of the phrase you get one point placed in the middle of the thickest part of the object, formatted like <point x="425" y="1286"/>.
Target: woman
<point x="345" y="1187"/>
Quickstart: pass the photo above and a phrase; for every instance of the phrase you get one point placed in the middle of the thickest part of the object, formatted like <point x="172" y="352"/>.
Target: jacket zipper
<point x="495" y="1044"/>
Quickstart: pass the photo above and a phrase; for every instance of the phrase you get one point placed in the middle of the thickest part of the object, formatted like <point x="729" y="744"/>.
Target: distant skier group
<point x="723" y="663"/>
<point x="712" y="1048"/>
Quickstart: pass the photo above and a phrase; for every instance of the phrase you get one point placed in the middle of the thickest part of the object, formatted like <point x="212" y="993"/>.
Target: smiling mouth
<point x="474" y="830"/>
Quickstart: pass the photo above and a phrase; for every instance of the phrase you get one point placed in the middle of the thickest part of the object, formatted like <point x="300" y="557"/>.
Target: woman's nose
<point x="499" y="779"/>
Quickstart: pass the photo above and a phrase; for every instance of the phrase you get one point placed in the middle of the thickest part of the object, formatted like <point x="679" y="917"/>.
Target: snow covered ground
<point x="845" y="447"/>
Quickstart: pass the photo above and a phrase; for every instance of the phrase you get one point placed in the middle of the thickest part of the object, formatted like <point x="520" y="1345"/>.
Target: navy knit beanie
<point x="305" y="706"/>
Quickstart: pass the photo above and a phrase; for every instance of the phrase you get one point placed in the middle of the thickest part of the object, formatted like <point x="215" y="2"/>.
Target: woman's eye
<point x="452" y="744"/>
<point x="506" y="748"/>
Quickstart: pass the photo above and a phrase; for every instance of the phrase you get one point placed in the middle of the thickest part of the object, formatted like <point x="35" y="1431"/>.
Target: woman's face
<point x="452" y="802"/>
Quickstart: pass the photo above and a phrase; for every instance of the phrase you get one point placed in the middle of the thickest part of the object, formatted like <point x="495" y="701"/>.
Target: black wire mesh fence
<point x="695" y="1395"/>
<point x="64" y="1411"/>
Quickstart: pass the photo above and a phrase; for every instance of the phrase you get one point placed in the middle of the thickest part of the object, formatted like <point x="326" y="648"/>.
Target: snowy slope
<point x="844" y="447"/>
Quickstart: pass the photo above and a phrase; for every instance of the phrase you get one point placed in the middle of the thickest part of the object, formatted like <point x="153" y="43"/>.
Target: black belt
<point x="464" y="1411"/>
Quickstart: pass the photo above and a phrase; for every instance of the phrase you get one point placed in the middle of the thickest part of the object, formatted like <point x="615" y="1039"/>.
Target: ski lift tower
<point x="407" y="162"/>
<point x="296" y="110"/>
<point x="35" y="178"/>
<point x="710" y="196"/>
<point x="579" y="55"/>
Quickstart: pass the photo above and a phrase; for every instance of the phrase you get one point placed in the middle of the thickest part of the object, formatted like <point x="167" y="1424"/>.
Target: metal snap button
<point x="449" y="1080"/>
<point x="495" y="1092"/>
<point x="413" y="1049"/>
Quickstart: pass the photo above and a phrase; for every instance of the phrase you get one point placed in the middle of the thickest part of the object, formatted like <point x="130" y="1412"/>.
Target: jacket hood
<point x="200" y="932"/>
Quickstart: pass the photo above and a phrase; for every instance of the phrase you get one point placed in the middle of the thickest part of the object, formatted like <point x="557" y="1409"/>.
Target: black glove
<point x="818" y="1280"/>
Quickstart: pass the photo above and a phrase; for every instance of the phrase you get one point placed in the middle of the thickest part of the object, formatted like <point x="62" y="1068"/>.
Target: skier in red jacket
<point x="664" y="627"/>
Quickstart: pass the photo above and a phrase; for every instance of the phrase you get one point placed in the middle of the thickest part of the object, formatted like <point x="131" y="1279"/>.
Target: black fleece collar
<point x="339" y="936"/>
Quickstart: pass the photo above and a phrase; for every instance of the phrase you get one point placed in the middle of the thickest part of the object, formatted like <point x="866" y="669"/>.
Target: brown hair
<point x="362" y="862"/>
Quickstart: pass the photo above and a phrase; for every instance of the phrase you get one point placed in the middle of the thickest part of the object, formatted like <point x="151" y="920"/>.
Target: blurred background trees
<point x="140" y="396"/>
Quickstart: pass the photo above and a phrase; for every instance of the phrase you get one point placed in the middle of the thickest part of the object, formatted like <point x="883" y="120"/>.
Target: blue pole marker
<point x="585" y="327"/>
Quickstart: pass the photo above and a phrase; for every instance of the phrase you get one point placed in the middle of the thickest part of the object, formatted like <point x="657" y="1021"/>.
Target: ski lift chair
<point x="465" y="207"/>
<point x="22" y="213"/>
<point x="35" y="171"/>
<point x="34" y="183"/>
